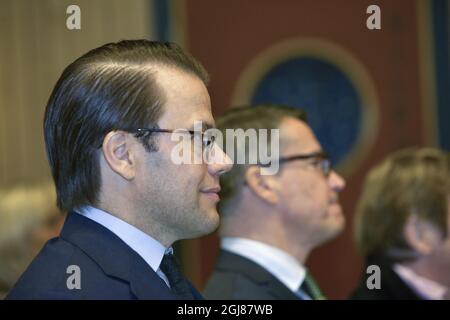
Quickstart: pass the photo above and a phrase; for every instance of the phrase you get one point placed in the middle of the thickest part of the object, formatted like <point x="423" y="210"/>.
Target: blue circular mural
<point x="332" y="104"/>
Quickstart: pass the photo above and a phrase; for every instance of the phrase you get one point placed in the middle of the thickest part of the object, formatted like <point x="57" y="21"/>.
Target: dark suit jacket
<point x="392" y="286"/>
<point x="236" y="277"/>
<point x="110" y="269"/>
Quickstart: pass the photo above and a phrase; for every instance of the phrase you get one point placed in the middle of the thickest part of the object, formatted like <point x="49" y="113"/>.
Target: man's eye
<point x="208" y="141"/>
<point x="196" y="135"/>
<point x="317" y="162"/>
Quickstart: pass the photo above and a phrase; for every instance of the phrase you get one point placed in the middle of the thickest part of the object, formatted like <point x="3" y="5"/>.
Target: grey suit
<point x="238" y="278"/>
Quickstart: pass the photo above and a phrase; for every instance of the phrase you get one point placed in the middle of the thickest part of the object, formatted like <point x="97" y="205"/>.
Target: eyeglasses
<point x="321" y="160"/>
<point x="206" y="138"/>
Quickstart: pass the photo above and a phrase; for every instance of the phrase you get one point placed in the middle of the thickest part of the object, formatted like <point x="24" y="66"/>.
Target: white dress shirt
<point x="144" y="245"/>
<point x="424" y="287"/>
<point x="280" y="264"/>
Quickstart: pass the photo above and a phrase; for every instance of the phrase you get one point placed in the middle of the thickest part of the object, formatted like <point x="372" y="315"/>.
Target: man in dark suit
<point x="107" y="128"/>
<point x="402" y="227"/>
<point x="271" y="222"/>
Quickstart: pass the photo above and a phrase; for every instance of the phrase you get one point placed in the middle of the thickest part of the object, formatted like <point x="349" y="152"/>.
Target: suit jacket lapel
<point x="146" y="284"/>
<point x="259" y="275"/>
<point x="114" y="257"/>
<point x="391" y="281"/>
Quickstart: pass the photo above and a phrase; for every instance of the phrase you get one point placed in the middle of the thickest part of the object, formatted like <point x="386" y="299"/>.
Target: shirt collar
<point x="147" y="247"/>
<point x="424" y="287"/>
<point x="280" y="264"/>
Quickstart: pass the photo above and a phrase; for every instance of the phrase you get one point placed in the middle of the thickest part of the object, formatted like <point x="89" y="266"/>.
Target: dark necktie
<point x="178" y="284"/>
<point x="310" y="287"/>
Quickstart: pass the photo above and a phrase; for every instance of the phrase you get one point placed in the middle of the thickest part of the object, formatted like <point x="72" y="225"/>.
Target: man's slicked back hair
<point x="112" y="87"/>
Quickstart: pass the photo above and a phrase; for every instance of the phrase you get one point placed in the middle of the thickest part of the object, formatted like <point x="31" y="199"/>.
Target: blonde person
<point x="402" y="227"/>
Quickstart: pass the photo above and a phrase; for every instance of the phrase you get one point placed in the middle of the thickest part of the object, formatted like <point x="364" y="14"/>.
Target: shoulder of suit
<point x="48" y="275"/>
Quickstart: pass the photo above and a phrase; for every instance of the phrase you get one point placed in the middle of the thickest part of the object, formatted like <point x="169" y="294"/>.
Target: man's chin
<point x="214" y="219"/>
<point x="332" y="232"/>
<point x="209" y="223"/>
<point x="335" y="221"/>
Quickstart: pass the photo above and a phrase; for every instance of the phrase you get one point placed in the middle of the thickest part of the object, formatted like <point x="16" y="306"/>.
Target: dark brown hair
<point x="109" y="88"/>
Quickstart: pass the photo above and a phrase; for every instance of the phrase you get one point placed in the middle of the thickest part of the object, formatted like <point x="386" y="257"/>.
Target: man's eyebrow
<point x="320" y="152"/>
<point x="205" y="126"/>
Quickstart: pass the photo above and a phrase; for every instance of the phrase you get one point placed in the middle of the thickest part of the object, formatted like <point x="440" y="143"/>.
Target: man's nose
<point x="336" y="182"/>
<point x="220" y="162"/>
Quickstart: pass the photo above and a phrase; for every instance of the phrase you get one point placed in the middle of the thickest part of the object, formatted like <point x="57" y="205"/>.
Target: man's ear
<point x="421" y="235"/>
<point x="264" y="186"/>
<point x="117" y="153"/>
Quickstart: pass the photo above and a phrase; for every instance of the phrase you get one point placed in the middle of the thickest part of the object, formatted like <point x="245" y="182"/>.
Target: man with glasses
<point x="108" y="128"/>
<point x="271" y="223"/>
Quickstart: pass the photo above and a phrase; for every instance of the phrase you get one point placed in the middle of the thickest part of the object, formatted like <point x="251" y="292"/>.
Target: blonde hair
<point x="407" y="181"/>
